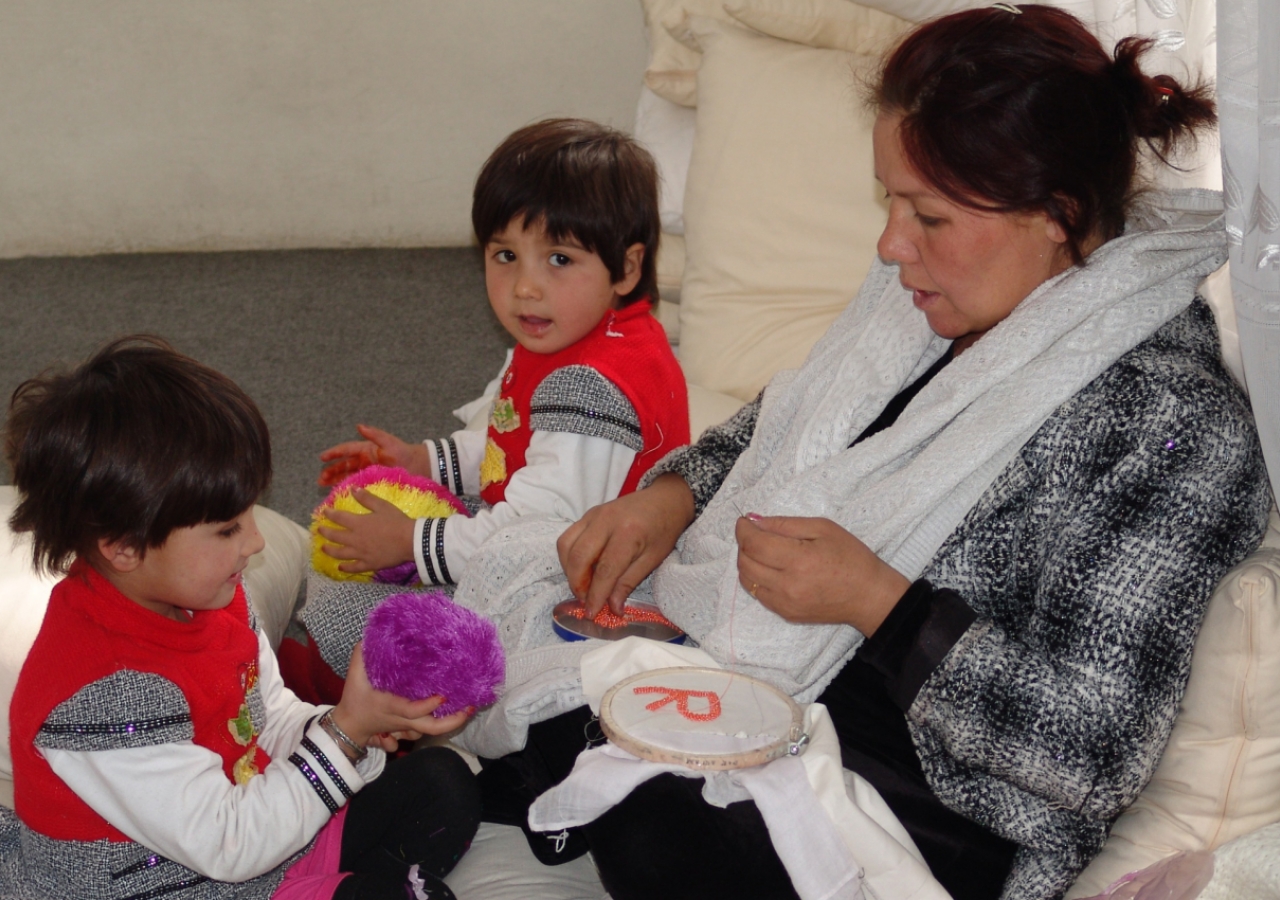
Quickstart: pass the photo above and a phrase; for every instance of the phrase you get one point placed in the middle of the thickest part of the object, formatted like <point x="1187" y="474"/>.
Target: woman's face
<point x="966" y="269"/>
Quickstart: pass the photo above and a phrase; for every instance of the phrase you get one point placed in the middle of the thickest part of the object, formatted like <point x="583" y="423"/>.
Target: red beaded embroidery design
<point x="606" y="618"/>
<point x="681" y="699"/>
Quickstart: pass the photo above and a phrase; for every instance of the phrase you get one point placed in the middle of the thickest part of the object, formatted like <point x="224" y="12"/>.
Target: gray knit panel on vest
<point x="579" y="400"/>
<point x="125" y="709"/>
<point x="36" y="867"/>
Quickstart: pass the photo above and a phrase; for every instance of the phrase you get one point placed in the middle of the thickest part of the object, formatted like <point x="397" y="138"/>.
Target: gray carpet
<point x="321" y="339"/>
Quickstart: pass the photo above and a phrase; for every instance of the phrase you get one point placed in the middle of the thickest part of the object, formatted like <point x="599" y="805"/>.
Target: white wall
<point x="223" y="124"/>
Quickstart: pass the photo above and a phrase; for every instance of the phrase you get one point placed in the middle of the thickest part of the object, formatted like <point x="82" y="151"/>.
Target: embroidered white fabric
<point x="831" y="829"/>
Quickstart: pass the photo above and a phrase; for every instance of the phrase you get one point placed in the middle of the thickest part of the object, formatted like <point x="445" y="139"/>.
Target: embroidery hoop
<point x="755" y="722"/>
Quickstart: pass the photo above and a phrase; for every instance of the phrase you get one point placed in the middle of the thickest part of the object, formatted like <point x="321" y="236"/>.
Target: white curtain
<point x="1249" y="107"/>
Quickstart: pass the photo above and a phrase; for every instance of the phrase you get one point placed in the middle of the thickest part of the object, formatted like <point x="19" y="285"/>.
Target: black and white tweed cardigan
<point x="1089" y="562"/>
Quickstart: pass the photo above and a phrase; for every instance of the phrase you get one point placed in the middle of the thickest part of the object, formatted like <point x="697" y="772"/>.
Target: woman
<point x="1010" y="487"/>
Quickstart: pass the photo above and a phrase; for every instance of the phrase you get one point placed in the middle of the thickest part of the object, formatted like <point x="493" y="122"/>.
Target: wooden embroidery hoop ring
<point x="782" y="735"/>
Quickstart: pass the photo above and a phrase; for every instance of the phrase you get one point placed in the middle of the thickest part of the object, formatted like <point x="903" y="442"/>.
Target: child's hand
<point x="375" y="718"/>
<point x="379" y="539"/>
<point x="378" y="448"/>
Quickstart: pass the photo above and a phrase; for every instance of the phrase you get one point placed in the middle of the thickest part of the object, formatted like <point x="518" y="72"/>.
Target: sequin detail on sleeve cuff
<point x="429" y="552"/>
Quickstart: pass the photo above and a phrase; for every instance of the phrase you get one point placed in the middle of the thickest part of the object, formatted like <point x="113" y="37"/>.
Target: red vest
<point x="630" y="349"/>
<point x="90" y="631"/>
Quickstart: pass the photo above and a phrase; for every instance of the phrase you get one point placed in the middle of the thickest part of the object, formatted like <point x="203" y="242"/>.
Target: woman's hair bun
<point x="1164" y="112"/>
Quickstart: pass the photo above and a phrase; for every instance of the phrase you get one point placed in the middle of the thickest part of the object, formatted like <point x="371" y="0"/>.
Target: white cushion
<point x="822" y="23"/>
<point x="273" y="577"/>
<point x="669" y="318"/>
<point x="1219" y="777"/>
<point x="25" y="595"/>
<point x="671" y="260"/>
<point x="500" y="866"/>
<point x="665" y="124"/>
<point x="673" y="67"/>
<point x="666" y="130"/>
<point x="272" y="580"/>
<point x="707" y="408"/>
<point x="782" y="211"/>
<point x="840" y="24"/>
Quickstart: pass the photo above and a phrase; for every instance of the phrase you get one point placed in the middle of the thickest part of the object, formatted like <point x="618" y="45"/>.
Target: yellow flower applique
<point x="493" y="469"/>
<point x="244" y="732"/>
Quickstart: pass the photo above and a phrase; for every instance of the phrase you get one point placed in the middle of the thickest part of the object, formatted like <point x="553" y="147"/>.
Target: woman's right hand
<point x="378" y="448"/>
<point x="616" y="545"/>
<point x="371" y="717"/>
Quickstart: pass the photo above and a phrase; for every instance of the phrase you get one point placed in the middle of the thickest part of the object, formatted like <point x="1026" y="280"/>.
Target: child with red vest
<point x="566" y="212"/>
<point x="155" y="750"/>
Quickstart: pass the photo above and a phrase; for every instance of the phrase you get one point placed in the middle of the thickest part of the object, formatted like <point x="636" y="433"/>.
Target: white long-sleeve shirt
<point x="566" y="473"/>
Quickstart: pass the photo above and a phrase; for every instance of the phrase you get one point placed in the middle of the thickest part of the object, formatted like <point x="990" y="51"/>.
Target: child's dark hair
<point x="131" y="445"/>
<point x="578" y="180"/>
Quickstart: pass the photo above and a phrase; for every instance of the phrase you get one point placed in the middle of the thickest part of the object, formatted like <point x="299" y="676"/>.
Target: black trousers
<point x="664" y="842"/>
<point x="422" y="811"/>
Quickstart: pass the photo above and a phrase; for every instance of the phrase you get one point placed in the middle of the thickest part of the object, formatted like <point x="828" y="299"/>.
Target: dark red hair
<point x="1027" y="112"/>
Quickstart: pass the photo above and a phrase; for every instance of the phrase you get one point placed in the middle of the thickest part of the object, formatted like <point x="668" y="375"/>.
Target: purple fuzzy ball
<point x="420" y="645"/>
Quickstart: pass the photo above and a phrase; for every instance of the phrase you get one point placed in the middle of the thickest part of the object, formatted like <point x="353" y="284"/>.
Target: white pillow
<point x="673" y="64"/>
<point x="1219" y="777"/>
<point x="673" y="67"/>
<point x="823" y="24"/>
<point x="671" y="257"/>
<point x="25" y="595"/>
<point x="666" y="130"/>
<point x="919" y="10"/>
<point x="272" y="579"/>
<point x="500" y="866"/>
<point x="782" y="210"/>
<point x="665" y="124"/>
<point x="707" y="408"/>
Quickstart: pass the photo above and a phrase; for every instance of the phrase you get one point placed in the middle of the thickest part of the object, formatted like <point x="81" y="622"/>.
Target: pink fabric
<point x="1178" y="877"/>
<point x="316" y="875"/>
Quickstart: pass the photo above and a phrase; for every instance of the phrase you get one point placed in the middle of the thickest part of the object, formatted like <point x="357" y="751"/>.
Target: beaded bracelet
<point x="331" y="728"/>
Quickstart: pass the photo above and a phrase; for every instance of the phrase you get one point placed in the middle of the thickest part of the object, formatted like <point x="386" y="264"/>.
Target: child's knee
<point x="446" y="776"/>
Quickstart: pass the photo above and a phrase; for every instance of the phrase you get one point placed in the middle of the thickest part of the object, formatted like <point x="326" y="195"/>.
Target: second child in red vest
<point x="566" y="212"/>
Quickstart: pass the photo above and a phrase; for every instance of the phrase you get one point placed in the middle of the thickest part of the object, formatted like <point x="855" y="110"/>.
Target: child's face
<point x="195" y="568"/>
<point x="549" y="295"/>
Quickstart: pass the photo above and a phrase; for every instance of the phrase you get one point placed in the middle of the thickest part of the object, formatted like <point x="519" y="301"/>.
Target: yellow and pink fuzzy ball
<point x="414" y="495"/>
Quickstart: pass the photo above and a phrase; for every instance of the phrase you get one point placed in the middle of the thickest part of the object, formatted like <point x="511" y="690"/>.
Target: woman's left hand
<point x="812" y="570"/>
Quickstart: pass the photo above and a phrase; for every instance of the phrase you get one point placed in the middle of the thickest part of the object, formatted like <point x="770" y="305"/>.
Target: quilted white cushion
<point x="1219" y="777"/>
